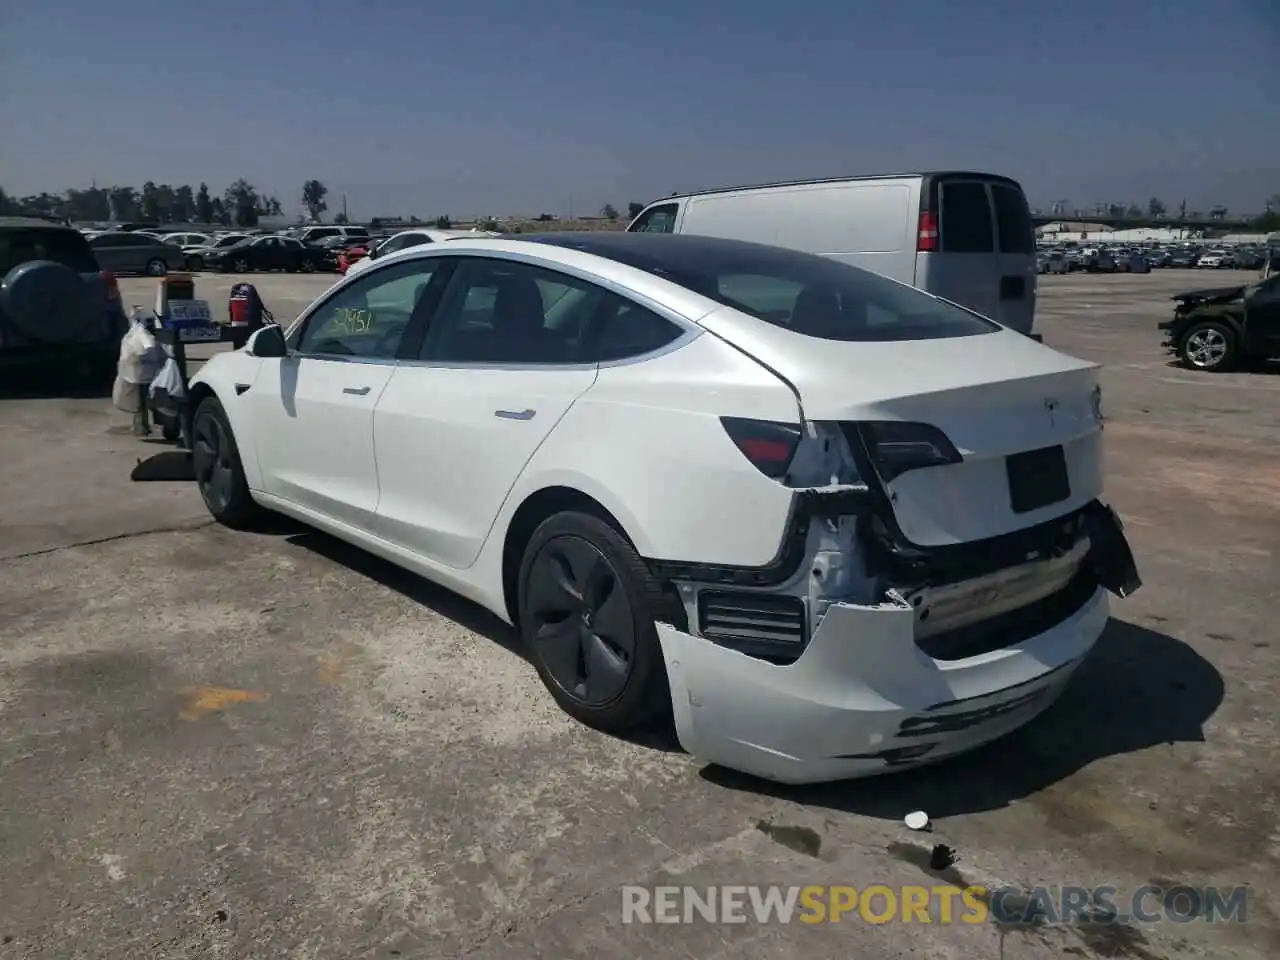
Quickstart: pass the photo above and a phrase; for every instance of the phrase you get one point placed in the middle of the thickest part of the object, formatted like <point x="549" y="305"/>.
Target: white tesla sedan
<point x="833" y="524"/>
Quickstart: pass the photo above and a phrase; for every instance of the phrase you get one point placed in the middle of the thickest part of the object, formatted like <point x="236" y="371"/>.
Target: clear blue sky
<point x="522" y="106"/>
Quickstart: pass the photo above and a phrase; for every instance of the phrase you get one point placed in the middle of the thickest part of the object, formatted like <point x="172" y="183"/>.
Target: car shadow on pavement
<point x="54" y="384"/>
<point x="444" y="602"/>
<point x="1139" y="688"/>
<point x="658" y="735"/>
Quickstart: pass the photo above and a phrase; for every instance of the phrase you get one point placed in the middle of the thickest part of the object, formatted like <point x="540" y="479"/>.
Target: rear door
<point x="984" y="257"/>
<point x="502" y="362"/>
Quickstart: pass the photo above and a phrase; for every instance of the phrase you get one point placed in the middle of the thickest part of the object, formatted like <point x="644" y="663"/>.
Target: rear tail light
<point x="113" y="288"/>
<point x="927" y="238"/>
<point x="768" y="445"/>
<point x="897" y="447"/>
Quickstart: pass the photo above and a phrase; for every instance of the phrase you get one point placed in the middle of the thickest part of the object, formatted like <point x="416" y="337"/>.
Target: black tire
<point x="218" y="469"/>
<point x="241" y="265"/>
<point x="307" y="266"/>
<point x="596" y="678"/>
<point x="1208" y="345"/>
<point x="156" y="268"/>
<point x="195" y="264"/>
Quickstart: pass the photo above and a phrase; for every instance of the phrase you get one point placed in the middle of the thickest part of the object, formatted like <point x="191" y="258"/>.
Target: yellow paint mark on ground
<point x="330" y="668"/>
<point x="202" y="700"/>
<point x="332" y="664"/>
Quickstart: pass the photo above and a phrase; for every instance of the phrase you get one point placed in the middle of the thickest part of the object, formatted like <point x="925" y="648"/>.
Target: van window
<point x="966" y="218"/>
<point x="656" y="220"/>
<point x="1013" y="220"/>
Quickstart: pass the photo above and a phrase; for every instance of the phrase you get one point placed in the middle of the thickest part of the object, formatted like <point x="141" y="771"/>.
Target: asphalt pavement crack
<point x="168" y="528"/>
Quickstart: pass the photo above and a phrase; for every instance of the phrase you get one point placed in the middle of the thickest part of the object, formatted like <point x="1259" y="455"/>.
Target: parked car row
<point x="1102" y="258"/>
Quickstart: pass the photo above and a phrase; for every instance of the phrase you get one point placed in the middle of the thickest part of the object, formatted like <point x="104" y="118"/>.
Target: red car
<point x="351" y="254"/>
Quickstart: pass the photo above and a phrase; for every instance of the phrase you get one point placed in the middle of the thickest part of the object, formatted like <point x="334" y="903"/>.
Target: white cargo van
<point x="963" y="236"/>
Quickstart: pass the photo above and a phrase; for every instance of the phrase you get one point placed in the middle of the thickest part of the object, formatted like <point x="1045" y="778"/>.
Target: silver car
<point x="127" y="252"/>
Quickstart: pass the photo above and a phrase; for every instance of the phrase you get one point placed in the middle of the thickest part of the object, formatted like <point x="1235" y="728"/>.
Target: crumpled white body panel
<point x="860" y="688"/>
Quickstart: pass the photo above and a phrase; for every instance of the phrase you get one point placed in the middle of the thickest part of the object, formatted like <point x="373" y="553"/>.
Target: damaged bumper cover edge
<point x="863" y="698"/>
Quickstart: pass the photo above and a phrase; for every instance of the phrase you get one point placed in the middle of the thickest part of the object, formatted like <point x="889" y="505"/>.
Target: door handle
<point x="515" y="414"/>
<point x="356" y="391"/>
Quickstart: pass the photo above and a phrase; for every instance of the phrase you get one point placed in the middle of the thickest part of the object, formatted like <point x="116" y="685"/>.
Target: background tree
<point x="443" y="222"/>
<point x="184" y="204"/>
<point x="150" y="201"/>
<point x="123" y="202"/>
<point x="1218" y="213"/>
<point x="218" y="212"/>
<point x="1134" y="211"/>
<point x="1115" y="210"/>
<point x="313" y="194"/>
<point x="609" y="212"/>
<point x="1155" y="207"/>
<point x="204" y="205"/>
<point x="488" y="223"/>
<point x="241" y="201"/>
<point x="340" y="218"/>
<point x="633" y="209"/>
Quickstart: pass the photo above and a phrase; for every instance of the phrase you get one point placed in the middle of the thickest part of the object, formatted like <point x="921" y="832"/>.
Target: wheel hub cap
<point x="582" y="624"/>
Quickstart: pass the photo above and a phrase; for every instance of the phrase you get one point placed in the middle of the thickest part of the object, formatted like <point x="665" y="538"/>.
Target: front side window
<point x="500" y="311"/>
<point x="656" y="220"/>
<point x="368" y="318"/>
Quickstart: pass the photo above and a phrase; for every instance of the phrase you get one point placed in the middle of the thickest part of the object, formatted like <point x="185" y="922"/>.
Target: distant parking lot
<point x="222" y="744"/>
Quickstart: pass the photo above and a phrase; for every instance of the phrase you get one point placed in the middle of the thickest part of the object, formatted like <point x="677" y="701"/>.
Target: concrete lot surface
<point x="216" y="744"/>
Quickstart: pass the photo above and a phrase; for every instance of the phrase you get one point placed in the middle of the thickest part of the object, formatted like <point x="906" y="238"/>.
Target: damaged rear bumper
<point x="864" y="697"/>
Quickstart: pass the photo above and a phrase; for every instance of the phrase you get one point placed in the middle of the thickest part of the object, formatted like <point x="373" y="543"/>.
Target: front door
<point x="314" y="408"/>
<point x="1262" y="317"/>
<point x="501" y="364"/>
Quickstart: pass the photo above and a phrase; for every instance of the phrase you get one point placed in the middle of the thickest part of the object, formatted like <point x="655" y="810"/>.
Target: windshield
<point x="805" y="293"/>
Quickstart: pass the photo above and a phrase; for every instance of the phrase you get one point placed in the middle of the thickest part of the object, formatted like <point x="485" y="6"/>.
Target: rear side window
<point x="656" y="220"/>
<point x="67" y="247"/>
<point x="1013" y="220"/>
<point x="622" y="329"/>
<point x="966" y="218"/>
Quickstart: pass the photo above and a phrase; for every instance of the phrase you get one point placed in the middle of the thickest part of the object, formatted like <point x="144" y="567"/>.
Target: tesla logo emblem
<point x="1051" y="405"/>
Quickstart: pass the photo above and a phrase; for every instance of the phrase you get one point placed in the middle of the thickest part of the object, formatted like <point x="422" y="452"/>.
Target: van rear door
<point x="980" y="250"/>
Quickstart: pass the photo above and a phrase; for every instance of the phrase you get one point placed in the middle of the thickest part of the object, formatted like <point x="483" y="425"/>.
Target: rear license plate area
<point x="1013" y="288"/>
<point x="1037" y="478"/>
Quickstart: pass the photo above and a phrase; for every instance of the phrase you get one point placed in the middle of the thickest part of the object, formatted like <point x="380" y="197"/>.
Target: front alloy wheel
<point x="1208" y="346"/>
<point x="220" y="477"/>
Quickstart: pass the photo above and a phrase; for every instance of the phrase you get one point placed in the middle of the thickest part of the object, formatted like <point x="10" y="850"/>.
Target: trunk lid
<point x="994" y="395"/>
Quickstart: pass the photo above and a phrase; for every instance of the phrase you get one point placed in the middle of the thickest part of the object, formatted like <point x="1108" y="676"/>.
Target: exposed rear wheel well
<point x="538" y="507"/>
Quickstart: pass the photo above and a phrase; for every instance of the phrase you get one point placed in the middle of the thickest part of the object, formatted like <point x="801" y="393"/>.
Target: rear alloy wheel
<point x="586" y="607"/>
<point x="219" y="472"/>
<point x="195" y="264"/>
<point x="1208" y="345"/>
<point x="157" y="268"/>
<point x="308" y="266"/>
<point x="241" y="265"/>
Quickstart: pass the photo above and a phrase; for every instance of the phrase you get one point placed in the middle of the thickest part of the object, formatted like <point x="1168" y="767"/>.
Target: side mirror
<point x="267" y="342"/>
<point x="371" y="250"/>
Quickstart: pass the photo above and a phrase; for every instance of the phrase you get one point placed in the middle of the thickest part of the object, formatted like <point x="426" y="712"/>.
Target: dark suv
<point x="56" y="303"/>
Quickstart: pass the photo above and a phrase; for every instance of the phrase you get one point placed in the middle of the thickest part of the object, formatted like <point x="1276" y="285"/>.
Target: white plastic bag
<point x="126" y="396"/>
<point x="166" y="389"/>
<point x="140" y="356"/>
